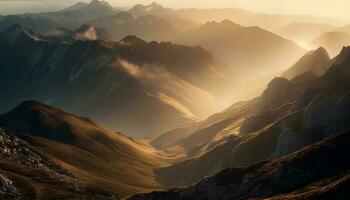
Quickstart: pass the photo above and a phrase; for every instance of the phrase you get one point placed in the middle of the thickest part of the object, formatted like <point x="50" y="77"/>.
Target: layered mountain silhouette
<point x="332" y="41"/>
<point x="72" y="17"/>
<point x="304" y="32"/>
<point x="237" y="45"/>
<point x="118" y="81"/>
<point x="149" y="27"/>
<point x="267" y="21"/>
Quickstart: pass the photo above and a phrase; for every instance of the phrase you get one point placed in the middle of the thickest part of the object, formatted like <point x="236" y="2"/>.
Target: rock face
<point x="8" y="190"/>
<point x="279" y="91"/>
<point x="319" y="164"/>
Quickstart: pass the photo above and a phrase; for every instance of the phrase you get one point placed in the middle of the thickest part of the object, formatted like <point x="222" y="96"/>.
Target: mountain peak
<point x="343" y="56"/>
<point x="94" y="4"/>
<point x="322" y="51"/>
<point x="226" y="23"/>
<point x="315" y="61"/>
<point x="132" y="39"/>
<point x="156" y="5"/>
<point x="97" y="3"/>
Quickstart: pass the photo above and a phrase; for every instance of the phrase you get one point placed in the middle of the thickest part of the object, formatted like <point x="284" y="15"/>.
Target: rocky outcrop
<point x="7" y="189"/>
<point x="23" y="168"/>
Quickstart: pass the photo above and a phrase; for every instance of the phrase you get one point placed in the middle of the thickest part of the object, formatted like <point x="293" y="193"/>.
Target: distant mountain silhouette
<point x="237" y="45"/>
<point x="72" y="17"/>
<point x="332" y="41"/>
<point x="153" y="8"/>
<point x="267" y="21"/>
<point x="149" y="27"/>
<point x="303" y="32"/>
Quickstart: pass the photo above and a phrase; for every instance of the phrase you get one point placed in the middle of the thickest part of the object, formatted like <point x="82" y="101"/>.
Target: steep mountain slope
<point x="119" y="81"/>
<point x="332" y="41"/>
<point x="237" y="45"/>
<point x="26" y="173"/>
<point x="99" y="158"/>
<point x="316" y="61"/>
<point x="303" y="32"/>
<point x="315" y="172"/>
<point x="288" y="116"/>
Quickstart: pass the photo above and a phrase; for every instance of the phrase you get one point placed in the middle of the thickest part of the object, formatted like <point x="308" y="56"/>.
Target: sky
<point x="337" y="9"/>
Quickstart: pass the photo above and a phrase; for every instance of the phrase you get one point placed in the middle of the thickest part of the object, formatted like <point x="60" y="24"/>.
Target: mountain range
<point x="117" y="80"/>
<point x="293" y="124"/>
<point x="158" y="23"/>
<point x="158" y="103"/>
<point x="289" y="115"/>
<point x="236" y="45"/>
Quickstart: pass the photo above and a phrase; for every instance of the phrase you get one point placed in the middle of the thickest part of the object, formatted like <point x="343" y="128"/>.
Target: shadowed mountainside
<point x="318" y="171"/>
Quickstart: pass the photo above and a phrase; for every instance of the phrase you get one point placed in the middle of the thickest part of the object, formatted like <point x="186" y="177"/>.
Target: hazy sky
<point x="326" y="8"/>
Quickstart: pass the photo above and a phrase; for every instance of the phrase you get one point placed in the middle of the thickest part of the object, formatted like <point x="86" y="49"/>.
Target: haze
<point x="336" y="9"/>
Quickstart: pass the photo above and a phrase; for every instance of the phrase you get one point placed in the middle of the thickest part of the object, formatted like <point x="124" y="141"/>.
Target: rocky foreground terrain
<point x="26" y="173"/>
